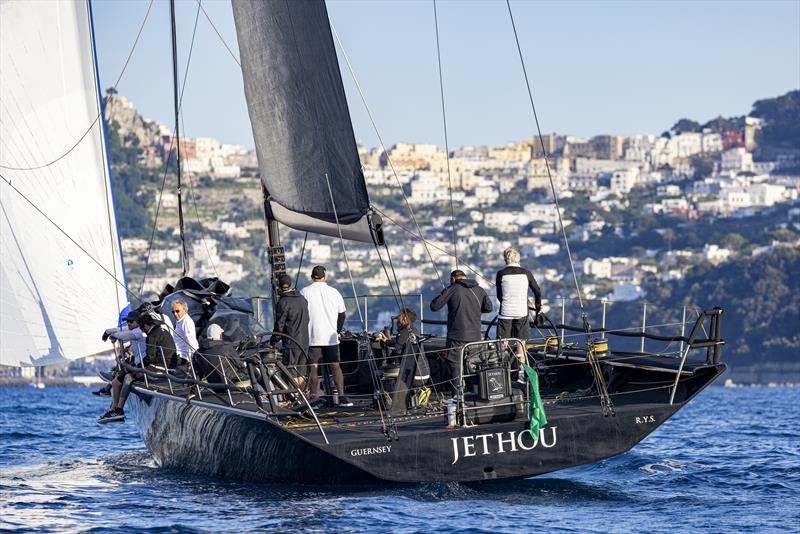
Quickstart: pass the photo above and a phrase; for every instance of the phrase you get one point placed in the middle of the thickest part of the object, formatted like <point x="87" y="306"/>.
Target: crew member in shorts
<point x="326" y="312"/>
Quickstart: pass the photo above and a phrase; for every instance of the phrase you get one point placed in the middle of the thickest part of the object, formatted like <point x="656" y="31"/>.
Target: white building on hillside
<point x="638" y="147"/>
<point x="715" y="254"/>
<point x="486" y="193"/>
<point x="622" y="181"/>
<point x="427" y="187"/>
<point x="737" y="160"/>
<point x="712" y="142"/>
<point x="766" y="194"/>
<point x="545" y="213"/>
<point x="504" y="221"/>
<point x="669" y="190"/>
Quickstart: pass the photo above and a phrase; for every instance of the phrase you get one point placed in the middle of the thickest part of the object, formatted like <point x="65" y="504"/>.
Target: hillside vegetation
<point x="761" y="299"/>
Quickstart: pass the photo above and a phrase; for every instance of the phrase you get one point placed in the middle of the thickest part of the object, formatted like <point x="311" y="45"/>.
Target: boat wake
<point x="664" y="467"/>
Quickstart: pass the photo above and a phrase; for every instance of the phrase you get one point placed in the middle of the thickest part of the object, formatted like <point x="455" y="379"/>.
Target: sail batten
<point x="56" y="293"/>
<point x="301" y="122"/>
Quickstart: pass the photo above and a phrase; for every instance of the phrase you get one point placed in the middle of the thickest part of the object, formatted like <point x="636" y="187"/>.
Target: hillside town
<point x="611" y="188"/>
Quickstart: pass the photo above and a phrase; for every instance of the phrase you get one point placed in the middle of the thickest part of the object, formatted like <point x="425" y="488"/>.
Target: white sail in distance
<point x="61" y="282"/>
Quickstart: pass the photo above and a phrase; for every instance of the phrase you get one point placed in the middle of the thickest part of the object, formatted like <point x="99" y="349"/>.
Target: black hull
<point x="207" y="441"/>
<point x="219" y="441"/>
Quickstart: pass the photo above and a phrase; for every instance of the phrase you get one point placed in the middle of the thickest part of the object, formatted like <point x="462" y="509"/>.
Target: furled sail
<point x="56" y="295"/>
<point x="301" y="123"/>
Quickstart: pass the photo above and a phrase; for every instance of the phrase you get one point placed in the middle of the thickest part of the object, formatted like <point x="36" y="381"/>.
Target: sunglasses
<point x="175" y="312"/>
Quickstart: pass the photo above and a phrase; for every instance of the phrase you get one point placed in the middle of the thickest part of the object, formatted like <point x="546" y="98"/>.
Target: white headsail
<point x="61" y="282"/>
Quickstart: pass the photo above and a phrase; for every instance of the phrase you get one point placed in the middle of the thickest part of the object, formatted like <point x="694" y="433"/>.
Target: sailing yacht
<point x="585" y="399"/>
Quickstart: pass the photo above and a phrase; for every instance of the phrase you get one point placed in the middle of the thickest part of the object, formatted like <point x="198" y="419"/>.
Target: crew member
<point x="326" y="312"/>
<point x="512" y="284"/>
<point x="185" y="336"/>
<point x="291" y="318"/>
<point x="134" y="348"/>
<point x="405" y="328"/>
<point x="160" y="351"/>
<point x="397" y="346"/>
<point x="465" y="301"/>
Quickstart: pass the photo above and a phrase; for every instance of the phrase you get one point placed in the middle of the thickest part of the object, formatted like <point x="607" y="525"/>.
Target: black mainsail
<point x="301" y="123"/>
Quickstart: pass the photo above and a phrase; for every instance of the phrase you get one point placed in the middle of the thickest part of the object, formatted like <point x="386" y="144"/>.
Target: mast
<point x="275" y="252"/>
<point x="176" y="97"/>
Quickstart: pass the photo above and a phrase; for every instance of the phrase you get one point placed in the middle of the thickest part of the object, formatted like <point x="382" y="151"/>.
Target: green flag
<point x="538" y="417"/>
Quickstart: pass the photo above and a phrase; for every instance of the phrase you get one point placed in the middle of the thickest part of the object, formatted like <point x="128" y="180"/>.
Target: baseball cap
<point x="284" y="280"/>
<point x="318" y="272"/>
<point x="214" y="331"/>
<point x="150" y="318"/>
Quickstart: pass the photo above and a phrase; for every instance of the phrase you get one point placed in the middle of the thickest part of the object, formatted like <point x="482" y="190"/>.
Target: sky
<point x="598" y="67"/>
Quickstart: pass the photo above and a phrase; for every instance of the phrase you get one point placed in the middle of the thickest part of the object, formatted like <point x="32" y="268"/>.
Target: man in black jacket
<point x="291" y="318"/>
<point x="160" y="351"/>
<point x="465" y="301"/>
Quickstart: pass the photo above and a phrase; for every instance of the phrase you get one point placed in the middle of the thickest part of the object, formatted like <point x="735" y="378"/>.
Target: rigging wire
<point x="221" y="38"/>
<point x="183" y="123"/>
<point x="176" y="103"/>
<point x="300" y="265"/>
<point x="444" y="124"/>
<point x="386" y="272"/>
<point x="431" y="244"/>
<point x="394" y="274"/>
<point x="344" y="252"/>
<point x="155" y="218"/>
<point x="166" y="168"/>
<point x="590" y="355"/>
<point x="99" y="115"/>
<point x="383" y="147"/>
<point x="106" y="171"/>
<point x="546" y="159"/>
<point x="57" y="227"/>
<point x="200" y="224"/>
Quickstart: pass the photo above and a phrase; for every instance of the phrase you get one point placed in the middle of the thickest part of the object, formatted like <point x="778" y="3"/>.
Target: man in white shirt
<point x="326" y="313"/>
<point x="184" y="335"/>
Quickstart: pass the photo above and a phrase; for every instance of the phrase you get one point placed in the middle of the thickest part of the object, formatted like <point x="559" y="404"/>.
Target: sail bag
<point x="301" y="123"/>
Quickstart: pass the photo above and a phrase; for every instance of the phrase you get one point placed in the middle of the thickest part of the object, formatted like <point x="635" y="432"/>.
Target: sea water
<point x="730" y="461"/>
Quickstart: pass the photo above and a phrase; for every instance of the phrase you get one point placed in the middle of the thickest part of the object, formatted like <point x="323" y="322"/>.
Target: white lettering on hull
<point x="366" y="451"/>
<point x="502" y="442"/>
